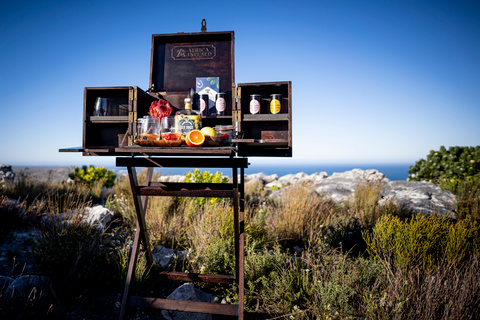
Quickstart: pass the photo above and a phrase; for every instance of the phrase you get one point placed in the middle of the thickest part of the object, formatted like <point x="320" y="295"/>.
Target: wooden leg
<point x="239" y="243"/>
<point x="140" y="235"/>
<point x="241" y="257"/>
<point x="131" y="271"/>
<point x="140" y="210"/>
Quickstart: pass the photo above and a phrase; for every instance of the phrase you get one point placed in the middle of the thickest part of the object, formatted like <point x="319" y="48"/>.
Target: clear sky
<point x="373" y="81"/>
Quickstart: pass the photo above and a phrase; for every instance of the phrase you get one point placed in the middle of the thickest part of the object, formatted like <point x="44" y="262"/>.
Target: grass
<point x="306" y="257"/>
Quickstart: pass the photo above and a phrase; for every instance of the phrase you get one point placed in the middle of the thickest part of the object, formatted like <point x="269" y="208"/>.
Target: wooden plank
<point x="265" y="117"/>
<point x="198" y="277"/>
<point x="186" y="306"/>
<point x="182" y="162"/>
<point x="260" y="141"/>
<point x="178" y="151"/>
<point x="157" y="191"/>
<point x="171" y="186"/>
<point x="73" y="149"/>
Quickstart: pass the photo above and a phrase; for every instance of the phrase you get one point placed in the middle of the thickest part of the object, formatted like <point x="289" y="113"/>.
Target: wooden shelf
<point x="108" y="119"/>
<point x="266" y="117"/>
<point x="259" y="140"/>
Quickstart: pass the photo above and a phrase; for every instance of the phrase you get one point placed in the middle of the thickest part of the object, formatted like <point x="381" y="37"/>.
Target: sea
<point x="391" y="171"/>
<point x="398" y="171"/>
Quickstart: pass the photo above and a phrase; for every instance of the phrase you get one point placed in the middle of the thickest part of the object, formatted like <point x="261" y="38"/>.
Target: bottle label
<point x="186" y="123"/>
<point x="202" y="105"/>
<point x="221" y="105"/>
<point x="254" y="106"/>
<point x="275" y="106"/>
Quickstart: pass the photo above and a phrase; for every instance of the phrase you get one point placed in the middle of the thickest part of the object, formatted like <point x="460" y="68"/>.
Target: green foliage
<point x="91" y="175"/>
<point x="467" y="192"/>
<point x="204" y="177"/>
<point x="454" y="163"/>
<point x="424" y="242"/>
<point x="317" y="285"/>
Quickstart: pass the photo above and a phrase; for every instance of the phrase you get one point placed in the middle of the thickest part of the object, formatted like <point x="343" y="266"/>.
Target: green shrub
<point x="321" y="284"/>
<point x="424" y="242"/>
<point x="467" y="192"/>
<point x="204" y="177"/>
<point x="91" y="175"/>
<point x="456" y="163"/>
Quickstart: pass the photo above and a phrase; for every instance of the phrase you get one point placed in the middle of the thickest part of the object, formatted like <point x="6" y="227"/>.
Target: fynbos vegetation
<point x="306" y="257"/>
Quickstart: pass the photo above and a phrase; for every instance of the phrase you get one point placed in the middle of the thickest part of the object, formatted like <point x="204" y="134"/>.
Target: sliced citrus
<point x="209" y="132"/>
<point x="195" y="138"/>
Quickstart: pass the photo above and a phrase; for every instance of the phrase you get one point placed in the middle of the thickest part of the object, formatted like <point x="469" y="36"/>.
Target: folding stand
<point x="219" y="190"/>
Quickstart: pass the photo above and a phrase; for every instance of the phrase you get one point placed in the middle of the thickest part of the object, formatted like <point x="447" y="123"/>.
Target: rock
<point x="23" y="286"/>
<point x="98" y="216"/>
<point x="261" y="176"/>
<point x="6" y="174"/>
<point x="4" y="283"/>
<point x="419" y="197"/>
<point x="54" y="175"/>
<point x="188" y="292"/>
<point x="172" y="178"/>
<point x="163" y="256"/>
<point x="424" y="197"/>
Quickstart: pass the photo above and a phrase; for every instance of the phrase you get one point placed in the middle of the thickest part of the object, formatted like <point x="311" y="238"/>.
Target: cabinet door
<point x="265" y="133"/>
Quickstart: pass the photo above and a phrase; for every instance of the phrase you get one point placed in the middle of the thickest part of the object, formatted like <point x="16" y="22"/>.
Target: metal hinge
<point x="132" y="95"/>
<point x="132" y="116"/>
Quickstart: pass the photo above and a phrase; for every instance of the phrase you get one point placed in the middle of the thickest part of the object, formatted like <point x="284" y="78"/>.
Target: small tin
<point x="220" y="104"/>
<point x="203" y="102"/>
<point x="275" y="103"/>
<point x="254" y="103"/>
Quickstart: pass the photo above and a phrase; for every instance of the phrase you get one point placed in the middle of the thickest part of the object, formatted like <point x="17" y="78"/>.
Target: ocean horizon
<point x="391" y="171"/>
<point x="398" y="171"/>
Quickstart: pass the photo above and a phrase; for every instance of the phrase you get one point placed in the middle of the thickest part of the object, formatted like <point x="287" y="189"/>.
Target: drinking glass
<point x="170" y="135"/>
<point x="100" y="107"/>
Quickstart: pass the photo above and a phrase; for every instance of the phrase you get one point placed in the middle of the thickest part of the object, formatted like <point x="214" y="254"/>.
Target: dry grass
<point x="300" y="214"/>
<point x="319" y="283"/>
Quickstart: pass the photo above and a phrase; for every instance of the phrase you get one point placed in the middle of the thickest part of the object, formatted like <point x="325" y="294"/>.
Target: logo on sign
<point x="193" y="52"/>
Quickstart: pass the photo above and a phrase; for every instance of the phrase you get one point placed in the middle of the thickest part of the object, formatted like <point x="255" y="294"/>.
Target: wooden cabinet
<point x="102" y="134"/>
<point x="264" y="133"/>
<point x="177" y="62"/>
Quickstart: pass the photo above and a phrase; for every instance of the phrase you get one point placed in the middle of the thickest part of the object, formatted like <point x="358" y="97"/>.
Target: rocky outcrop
<point x="28" y="285"/>
<point x="163" y="256"/>
<point x="188" y="292"/>
<point x="424" y="197"/>
<point x="6" y="174"/>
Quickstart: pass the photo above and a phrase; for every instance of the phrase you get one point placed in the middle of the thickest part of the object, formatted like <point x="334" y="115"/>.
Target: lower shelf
<point x="186" y="306"/>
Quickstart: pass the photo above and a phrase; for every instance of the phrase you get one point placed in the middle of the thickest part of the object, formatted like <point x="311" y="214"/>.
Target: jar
<point x="203" y="104"/>
<point x="275" y="104"/>
<point x="220" y="104"/>
<point x="225" y="132"/>
<point x="254" y="103"/>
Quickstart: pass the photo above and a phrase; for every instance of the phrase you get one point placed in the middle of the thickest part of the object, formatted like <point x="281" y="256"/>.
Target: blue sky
<point x="373" y="81"/>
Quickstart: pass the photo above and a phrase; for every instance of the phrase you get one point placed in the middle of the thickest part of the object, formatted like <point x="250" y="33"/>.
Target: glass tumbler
<point x="171" y="136"/>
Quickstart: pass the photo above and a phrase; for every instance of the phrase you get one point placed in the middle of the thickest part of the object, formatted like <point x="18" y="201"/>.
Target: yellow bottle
<point x="275" y="105"/>
<point x="188" y="119"/>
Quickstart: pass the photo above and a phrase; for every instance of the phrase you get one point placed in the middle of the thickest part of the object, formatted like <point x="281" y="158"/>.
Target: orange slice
<point x="195" y="138"/>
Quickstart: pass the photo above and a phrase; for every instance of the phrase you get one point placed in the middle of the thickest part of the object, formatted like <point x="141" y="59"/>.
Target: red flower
<point x="160" y="109"/>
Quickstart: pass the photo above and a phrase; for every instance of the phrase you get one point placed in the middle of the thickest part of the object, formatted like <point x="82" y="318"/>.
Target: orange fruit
<point x="195" y="138"/>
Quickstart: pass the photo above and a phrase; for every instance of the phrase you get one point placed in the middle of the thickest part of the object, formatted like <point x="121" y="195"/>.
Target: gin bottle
<point x="188" y="119"/>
